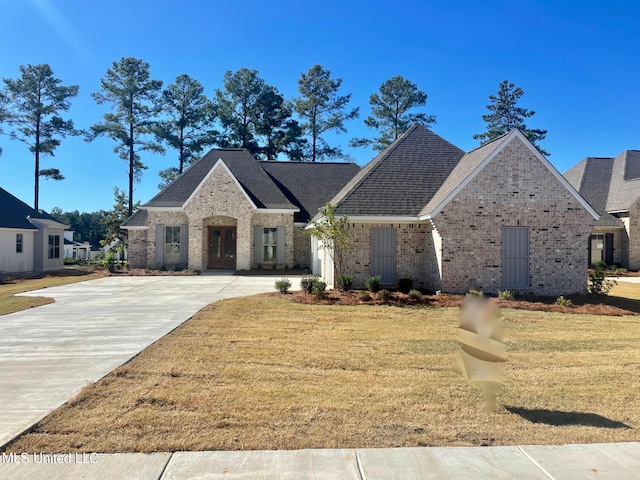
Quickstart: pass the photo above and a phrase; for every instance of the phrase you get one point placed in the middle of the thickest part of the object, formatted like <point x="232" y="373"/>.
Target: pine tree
<point x="238" y="107"/>
<point x="189" y="126"/>
<point x="3" y="112"/>
<point x="506" y="116"/>
<point x="133" y="96"/>
<point x="275" y="127"/>
<point x="322" y="110"/>
<point x="33" y="105"/>
<point x="389" y="112"/>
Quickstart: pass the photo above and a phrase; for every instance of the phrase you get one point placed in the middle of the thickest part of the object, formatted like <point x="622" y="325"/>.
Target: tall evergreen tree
<point x="390" y="112"/>
<point x="3" y="112"/>
<point x="505" y="116"/>
<point x="133" y="96"/>
<point x="238" y="107"/>
<point x="34" y="103"/>
<point x="322" y="110"/>
<point x="275" y="127"/>
<point x="189" y="126"/>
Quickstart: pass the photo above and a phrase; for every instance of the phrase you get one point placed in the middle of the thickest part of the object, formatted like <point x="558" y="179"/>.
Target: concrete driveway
<point x="48" y="354"/>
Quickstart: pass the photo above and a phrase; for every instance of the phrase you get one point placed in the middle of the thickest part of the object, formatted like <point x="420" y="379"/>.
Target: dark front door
<point x="222" y="248"/>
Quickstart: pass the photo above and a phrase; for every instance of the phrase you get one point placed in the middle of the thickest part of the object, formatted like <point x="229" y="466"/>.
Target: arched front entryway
<point x="220" y="243"/>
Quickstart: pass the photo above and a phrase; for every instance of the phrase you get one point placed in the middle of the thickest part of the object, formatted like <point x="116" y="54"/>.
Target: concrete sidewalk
<point x="48" y="354"/>
<point x="616" y="461"/>
<point x="626" y="279"/>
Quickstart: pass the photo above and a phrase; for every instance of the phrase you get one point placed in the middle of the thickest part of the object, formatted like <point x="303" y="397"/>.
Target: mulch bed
<point x="583" y="304"/>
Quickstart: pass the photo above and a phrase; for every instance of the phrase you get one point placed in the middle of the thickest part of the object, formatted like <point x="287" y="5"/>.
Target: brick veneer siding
<point x="219" y="201"/>
<point x="514" y="189"/>
<point x="137" y="248"/>
<point x="301" y="247"/>
<point x="634" y="236"/>
<point x="411" y="246"/>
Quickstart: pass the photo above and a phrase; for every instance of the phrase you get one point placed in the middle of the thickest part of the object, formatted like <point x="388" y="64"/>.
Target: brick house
<point x="30" y="240"/>
<point x="498" y="217"/>
<point x="229" y="211"/>
<point x="612" y="188"/>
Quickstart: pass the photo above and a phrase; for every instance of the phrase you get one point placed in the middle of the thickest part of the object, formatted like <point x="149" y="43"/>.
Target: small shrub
<point x="109" y="262"/>
<point x="564" y="302"/>
<point x="599" y="284"/>
<point x="345" y="282"/>
<point x="307" y="283"/>
<point x="505" y="295"/>
<point x="473" y="293"/>
<point x="69" y="261"/>
<point x="319" y="288"/>
<point x="405" y="285"/>
<point x="364" y="296"/>
<point x="619" y="270"/>
<point x="373" y="283"/>
<point x="414" y="294"/>
<point x="283" y="285"/>
<point x="384" y="295"/>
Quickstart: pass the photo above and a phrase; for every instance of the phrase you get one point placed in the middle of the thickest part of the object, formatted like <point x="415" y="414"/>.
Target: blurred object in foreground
<point x="482" y="354"/>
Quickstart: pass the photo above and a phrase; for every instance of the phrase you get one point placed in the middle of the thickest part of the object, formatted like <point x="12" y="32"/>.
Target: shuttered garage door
<point x="383" y="254"/>
<point x="515" y="258"/>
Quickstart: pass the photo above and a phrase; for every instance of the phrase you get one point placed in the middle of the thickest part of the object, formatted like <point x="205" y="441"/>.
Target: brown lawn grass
<point x="9" y="303"/>
<point x="265" y="373"/>
<point x="626" y="290"/>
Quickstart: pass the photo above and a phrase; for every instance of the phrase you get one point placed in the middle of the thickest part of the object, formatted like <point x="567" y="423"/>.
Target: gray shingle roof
<point x="138" y="219"/>
<point x="14" y="212"/>
<point x="309" y="185"/>
<point x="608" y="184"/>
<point x="462" y="170"/>
<point x="625" y="181"/>
<point x="253" y="179"/>
<point x="402" y="179"/>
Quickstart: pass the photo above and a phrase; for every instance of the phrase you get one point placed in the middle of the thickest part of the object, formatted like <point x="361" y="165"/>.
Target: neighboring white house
<point x="75" y="250"/>
<point x="30" y="240"/>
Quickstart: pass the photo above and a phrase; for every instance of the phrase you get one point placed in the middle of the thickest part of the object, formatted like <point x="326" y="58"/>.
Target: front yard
<point x="265" y="373"/>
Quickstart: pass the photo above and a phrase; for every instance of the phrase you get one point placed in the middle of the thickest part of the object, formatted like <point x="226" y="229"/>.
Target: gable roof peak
<point x="401" y="179"/>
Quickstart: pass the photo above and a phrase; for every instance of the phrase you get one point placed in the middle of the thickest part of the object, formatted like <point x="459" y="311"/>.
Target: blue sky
<point x="578" y="63"/>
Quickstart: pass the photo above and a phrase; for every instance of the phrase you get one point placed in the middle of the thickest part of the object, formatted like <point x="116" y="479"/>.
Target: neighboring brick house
<point x="229" y="211"/>
<point x="498" y="217"/>
<point x="612" y="187"/>
<point x="30" y="240"/>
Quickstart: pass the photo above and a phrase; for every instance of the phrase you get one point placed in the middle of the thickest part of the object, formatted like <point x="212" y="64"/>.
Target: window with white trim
<point x="19" y="240"/>
<point x="172" y="244"/>
<point x="270" y="245"/>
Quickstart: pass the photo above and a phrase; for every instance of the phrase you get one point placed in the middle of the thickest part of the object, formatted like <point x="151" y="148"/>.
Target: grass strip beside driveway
<point x="264" y="373"/>
<point x="9" y="303"/>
